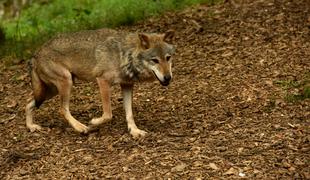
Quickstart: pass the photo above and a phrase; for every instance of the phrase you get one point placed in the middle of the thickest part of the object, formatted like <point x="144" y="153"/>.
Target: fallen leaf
<point x="198" y="164"/>
<point x="22" y="77"/>
<point x="230" y="171"/>
<point x="12" y="104"/>
<point x="8" y="119"/>
<point x="1" y="88"/>
<point x="292" y="169"/>
<point x="256" y="171"/>
<point x="179" y="167"/>
<point x="160" y="98"/>
<point x="227" y="54"/>
<point x="213" y="166"/>
<point x="241" y="174"/>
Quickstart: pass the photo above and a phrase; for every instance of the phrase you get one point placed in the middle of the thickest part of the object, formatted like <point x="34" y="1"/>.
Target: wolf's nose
<point x="167" y="78"/>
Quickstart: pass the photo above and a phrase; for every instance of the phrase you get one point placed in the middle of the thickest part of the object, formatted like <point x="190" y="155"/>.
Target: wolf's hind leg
<point x="105" y="93"/>
<point x="64" y="88"/>
<point x="29" y="117"/>
<point x="127" y="98"/>
<point x="41" y="92"/>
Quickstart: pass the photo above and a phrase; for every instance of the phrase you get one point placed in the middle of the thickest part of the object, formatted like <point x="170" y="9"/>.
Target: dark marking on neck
<point x="129" y="69"/>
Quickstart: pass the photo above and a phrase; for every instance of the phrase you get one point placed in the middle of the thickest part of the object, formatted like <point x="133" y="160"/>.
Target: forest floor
<point x="234" y="109"/>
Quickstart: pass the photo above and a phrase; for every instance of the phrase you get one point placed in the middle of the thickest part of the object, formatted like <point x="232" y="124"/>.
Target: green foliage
<point x="41" y="21"/>
<point x="305" y="94"/>
<point x="288" y="84"/>
<point x="303" y="87"/>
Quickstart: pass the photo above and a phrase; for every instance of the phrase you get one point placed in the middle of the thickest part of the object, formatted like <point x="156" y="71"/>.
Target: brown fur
<point x="106" y="55"/>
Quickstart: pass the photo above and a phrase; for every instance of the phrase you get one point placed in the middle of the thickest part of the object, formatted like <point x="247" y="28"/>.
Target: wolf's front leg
<point x="105" y="93"/>
<point x="127" y="99"/>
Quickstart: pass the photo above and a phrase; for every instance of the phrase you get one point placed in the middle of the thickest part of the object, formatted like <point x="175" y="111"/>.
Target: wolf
<point x="106" y="56"/>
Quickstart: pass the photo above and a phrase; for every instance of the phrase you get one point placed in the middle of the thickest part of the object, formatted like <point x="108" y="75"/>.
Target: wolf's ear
<point x="168" y="36"/>
<point x="144" y="40"/>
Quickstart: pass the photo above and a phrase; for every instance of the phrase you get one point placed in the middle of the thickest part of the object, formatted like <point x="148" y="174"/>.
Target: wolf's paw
<point x="98" y="121"/>
<point x="34" y="127"/>
<point x="137" y="133"/>
<point x="81" y="128"/>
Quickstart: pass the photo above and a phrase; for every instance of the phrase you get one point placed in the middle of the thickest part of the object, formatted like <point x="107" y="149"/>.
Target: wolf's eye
<point x="155" y="60"/>
<point x="168" y="57"/>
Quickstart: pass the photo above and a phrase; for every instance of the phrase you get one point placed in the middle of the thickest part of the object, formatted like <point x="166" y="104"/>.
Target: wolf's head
<point x="156" y="55"/>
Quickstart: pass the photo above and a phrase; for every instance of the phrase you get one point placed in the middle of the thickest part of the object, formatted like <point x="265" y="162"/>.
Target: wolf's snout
<point x="166" y="81"/>
<point x="167" y="78"/>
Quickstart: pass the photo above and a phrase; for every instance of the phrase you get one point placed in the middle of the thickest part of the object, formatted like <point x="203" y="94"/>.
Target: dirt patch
<point x="224" y="116"/>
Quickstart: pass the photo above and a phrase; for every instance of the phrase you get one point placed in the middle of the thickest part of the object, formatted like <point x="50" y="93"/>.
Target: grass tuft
<point x="296" y="90"/>
<point x="304" y="94"/>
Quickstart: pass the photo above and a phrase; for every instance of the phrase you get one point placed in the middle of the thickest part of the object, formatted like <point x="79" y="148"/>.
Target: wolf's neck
<point x="130" y="67"/>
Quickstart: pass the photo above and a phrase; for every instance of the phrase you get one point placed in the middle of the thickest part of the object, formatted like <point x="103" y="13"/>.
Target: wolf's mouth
<point x="164" y="83"/>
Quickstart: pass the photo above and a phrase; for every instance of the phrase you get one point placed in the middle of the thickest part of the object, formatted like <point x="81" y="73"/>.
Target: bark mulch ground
<point x="236" y="107"/>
